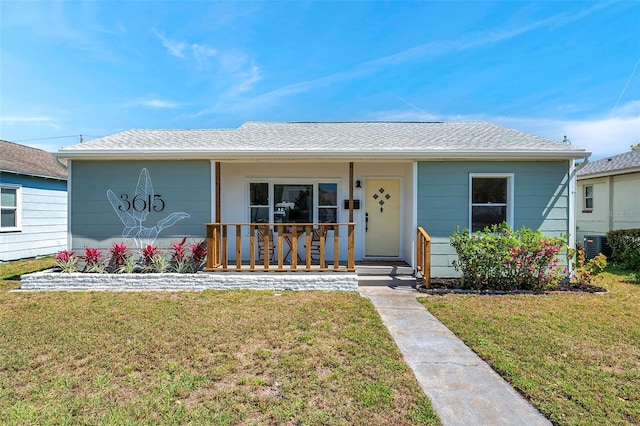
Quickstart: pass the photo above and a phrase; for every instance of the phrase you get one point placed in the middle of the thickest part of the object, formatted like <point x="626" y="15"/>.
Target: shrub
<point x="584" y="271"/>
<point x="499" y="258"/>
<point x="625" y="246"/>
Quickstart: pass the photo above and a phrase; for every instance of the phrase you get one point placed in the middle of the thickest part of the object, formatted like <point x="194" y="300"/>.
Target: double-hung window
<point x="491" y="200"/>
<point x="10" y="208"/>
<point x="588" y="199"/>
<point x="290" y="201"/>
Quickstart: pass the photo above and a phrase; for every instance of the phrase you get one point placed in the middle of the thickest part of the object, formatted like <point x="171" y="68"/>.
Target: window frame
<point x="510" y="177"/>
<point x="585" y="198"/>
<point x="17" y="208"/>
<point x="314" y="182"/>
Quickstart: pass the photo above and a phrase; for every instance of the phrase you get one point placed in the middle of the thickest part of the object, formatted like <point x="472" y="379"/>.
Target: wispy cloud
<point x="151" y="103"/>
<point x="175" y="48"/>
<point x="436" y="48"/>
<point x="246" y="82"/>
<point x="27" y="119"/>
<point x="603" y="135"/>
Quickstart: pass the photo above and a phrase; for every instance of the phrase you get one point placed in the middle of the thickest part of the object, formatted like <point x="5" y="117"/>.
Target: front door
<point x="382" y="228"/>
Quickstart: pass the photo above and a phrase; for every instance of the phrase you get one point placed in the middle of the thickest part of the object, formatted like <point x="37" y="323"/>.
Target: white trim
<point x="18" y="207"/>
<point x="572" y="210"/>
<point x="212" y="213"/>
<point x="414" y="214"/>
<point x="304" y="155"/>
<point x="69" y="181"/>
<point x="510" y="194"/>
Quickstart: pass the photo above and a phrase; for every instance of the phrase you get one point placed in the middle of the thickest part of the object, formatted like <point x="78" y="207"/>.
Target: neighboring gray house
<point x="33" y="202"/>
<point x="608" y="198"/>
<point x="156" y="186"/>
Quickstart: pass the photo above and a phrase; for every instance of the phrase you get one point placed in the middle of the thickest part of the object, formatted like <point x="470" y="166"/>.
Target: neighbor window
<point x="9" y="208"/>
<point x="490" y="200"/>
<point x="292" y="202"/>
<point x="588" y="197"/>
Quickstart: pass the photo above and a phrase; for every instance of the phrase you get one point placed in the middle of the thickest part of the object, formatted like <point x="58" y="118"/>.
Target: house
<point x="33" y="202"/>
<point x="370" y="185"/>
<point x="608" y="198"/>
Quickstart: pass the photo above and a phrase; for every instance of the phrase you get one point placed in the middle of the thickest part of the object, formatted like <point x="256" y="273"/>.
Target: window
<point x="293" y="202"/>
<point x="9" y="208"/>
<point x="588" y="198"/>
<point x="490" y="200"/>
<point x="259" y="202"/>
<point x="327" y="202"/>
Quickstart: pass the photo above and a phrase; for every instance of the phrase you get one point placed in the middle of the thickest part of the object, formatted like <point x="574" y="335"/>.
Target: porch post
<point x="350" y="191"/>
<point x="217" y="192"/>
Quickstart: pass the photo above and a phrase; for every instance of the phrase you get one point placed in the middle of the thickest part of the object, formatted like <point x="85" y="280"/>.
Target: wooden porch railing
<point x="423" y="257"/>
<point x="286" y="236"/>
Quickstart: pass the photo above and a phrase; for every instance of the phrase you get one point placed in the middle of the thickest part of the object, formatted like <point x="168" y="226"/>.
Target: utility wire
<point x="57" y="137"/>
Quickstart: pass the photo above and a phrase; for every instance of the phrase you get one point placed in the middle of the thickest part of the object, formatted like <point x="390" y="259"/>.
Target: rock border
<point x="54" y="280"/>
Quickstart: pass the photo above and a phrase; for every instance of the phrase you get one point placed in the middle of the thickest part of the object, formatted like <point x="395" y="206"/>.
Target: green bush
<point x="625" y="246"/>
<point x="499" y="258"/>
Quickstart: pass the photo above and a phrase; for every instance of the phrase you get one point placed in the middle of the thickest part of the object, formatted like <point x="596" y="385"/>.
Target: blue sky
<point x="551" y="68"/>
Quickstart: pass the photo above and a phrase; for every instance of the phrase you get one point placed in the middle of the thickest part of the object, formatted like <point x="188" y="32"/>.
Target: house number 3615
<point x="142" y="203"/>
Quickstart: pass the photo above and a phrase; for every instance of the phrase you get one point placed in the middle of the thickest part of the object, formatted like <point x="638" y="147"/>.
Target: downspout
<point x="573" y="173"/>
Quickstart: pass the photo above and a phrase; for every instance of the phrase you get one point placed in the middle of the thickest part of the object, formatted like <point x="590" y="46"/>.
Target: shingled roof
<point x="24" y="160"/>
<point x="628" y="162"/>
<point x="407" y="140"/>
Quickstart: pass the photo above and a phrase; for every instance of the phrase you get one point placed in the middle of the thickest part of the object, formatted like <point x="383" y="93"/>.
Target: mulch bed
<point x="454" y="285"/>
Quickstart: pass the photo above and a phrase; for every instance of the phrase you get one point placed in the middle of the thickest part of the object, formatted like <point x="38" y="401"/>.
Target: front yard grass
<point x="575" y="356"/>
<point x="10" y="272"/>
<point x="212" y="357"/>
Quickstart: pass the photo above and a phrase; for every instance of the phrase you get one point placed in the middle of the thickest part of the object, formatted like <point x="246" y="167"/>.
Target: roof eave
<point x="318" y="155"/>
<point x="17" y="172"/>
<point x="610" y="173"/>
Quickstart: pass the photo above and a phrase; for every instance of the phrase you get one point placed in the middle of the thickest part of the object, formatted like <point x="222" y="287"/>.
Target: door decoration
<point x="134" y="209"/>
<point x="381" y="202"/>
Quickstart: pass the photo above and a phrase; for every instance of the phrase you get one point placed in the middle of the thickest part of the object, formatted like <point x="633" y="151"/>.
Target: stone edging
<point x="54" y="280"/>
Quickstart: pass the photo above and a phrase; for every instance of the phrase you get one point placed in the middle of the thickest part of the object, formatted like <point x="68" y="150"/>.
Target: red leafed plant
<point x="198" y="254"/>
<point x="149" y="252"/>
<point x="93" y="260"/>
<point x="67" y="261"/>
<point x="119" y="254"/>
<point x="179" y="259"/>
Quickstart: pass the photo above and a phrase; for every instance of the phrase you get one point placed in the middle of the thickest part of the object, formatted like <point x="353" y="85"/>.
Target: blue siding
<point x="184" y="186"/>
<point x="44" y="218"/>
<point x="541" y="200"/>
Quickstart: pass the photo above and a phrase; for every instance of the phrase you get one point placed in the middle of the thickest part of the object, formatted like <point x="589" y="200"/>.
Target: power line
<point x="57" y="137"/>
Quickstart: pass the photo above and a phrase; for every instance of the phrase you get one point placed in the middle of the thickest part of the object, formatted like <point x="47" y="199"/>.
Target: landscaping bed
<point x="454" y="285"/>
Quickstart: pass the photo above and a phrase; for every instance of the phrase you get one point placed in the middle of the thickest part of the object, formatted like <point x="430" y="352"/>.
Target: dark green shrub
<point x="499" y="258"/>
<point x="625" y="246"/>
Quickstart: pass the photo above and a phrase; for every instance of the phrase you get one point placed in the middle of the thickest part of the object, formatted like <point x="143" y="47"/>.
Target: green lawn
<point x="576" y="356"/>
<point x="237" y="357"/>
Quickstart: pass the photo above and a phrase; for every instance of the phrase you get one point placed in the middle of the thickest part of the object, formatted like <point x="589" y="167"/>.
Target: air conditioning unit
<point x="595" y="244"/>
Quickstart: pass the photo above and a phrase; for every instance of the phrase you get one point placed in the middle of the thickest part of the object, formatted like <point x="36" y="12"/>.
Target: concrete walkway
<point x="463" y="389"/>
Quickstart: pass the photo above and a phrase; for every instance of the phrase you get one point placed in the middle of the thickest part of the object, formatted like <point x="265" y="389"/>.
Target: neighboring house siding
<point x="183" y="186"/>
<point x="43" y="217"/>
<point x="616" y="204"/>
<point x="540" y="201"/>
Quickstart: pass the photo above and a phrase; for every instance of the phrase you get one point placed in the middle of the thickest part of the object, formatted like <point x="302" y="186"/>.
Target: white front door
<point x="382" y="209"/>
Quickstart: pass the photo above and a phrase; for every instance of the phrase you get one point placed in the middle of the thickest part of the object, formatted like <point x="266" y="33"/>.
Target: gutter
<point x="322" y="155"/>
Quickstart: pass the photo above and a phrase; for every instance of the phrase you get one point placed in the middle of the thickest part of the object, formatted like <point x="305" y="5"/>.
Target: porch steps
<point x="385" y="274"/>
